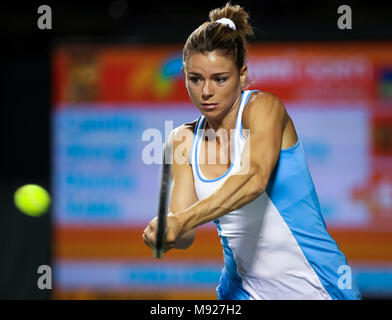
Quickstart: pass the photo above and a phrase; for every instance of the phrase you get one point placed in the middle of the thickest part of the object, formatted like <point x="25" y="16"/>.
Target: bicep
<point x="182" y="193"/>
<point x="266" y="121"/>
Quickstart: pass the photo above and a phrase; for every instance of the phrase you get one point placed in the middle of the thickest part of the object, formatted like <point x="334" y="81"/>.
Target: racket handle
<point x="158" y="253"/>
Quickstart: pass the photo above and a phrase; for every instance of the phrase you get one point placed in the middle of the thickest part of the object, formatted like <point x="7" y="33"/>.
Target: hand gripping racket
<point x="162" y="209"/>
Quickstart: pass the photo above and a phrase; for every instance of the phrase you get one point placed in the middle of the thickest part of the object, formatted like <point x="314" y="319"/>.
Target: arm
<point x="264" y="143"/>
<point x="182" y="193"/>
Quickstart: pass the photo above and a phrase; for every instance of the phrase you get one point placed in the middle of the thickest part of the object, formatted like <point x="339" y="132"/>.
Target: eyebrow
<point x="214" y="74"/>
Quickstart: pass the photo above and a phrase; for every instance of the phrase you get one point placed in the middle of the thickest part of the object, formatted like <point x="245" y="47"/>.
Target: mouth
<point x="209" y="106"/>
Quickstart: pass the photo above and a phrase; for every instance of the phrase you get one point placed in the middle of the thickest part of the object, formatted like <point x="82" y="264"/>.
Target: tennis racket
<point x="162" y="209"/>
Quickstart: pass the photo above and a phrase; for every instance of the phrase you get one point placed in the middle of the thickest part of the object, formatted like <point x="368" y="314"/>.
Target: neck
<point x="228" y="120"/>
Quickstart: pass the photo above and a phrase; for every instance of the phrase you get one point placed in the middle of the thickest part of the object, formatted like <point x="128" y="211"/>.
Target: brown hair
<point x="213" y="35"/>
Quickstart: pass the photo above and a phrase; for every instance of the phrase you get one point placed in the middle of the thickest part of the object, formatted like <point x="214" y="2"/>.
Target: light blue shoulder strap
<point x="244" y="102"/>
<point x="196" y="136"/>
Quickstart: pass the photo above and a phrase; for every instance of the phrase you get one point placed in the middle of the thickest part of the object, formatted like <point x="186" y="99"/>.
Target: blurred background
<point x="81" y="103"/>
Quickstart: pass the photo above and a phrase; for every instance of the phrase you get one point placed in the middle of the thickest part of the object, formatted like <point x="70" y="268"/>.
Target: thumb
<point x="153" y="224"/>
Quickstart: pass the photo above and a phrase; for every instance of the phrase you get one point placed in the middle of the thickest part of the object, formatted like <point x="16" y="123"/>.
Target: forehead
<point x="209" y="63"/>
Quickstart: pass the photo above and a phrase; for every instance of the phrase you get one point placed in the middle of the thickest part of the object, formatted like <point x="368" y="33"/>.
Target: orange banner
<point x="327" y="71"/>
<point x="112" y="244"/>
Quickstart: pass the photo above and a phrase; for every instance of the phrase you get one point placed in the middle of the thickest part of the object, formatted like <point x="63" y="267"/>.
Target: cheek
<point x="192" y="89"/>
<point x="192" y="92"/>
<point x="231" y="92"/>
<point x="231" y="89"/>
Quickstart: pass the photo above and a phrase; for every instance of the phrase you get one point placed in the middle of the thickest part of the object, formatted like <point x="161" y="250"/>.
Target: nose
<point x="208" y="90"/>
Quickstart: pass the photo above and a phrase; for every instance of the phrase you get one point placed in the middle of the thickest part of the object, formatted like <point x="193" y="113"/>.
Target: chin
<point x="213" y="114"/>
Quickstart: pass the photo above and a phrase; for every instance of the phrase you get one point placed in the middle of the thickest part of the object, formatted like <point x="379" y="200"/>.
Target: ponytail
<point x="226" y="30"/>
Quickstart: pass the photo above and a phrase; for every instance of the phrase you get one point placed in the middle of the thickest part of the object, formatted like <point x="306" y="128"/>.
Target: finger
<point x="144" y="237"/>
<point x="146" y="233"/>
<point x="147" y="241"/>
<point x="151" y="238"/>
<point x="147" y="229"/>
<point x="151" y="235"/>
<point x="170" y="239"/>
<point x="153" y="226"/>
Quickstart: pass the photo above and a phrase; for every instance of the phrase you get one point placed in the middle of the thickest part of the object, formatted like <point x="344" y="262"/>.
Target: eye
<point x="220" y="80"/>
<point x="194" y="79"/>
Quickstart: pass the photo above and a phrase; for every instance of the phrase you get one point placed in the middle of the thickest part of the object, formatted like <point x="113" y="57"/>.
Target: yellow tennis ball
<point x="32" y="200"/>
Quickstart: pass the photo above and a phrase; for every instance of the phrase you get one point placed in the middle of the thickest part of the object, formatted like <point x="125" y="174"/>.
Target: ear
<point x="243" y="75"/>
<point x="183" y="71"/>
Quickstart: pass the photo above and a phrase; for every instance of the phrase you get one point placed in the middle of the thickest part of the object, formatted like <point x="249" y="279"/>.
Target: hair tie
<point x="227" y="22"/>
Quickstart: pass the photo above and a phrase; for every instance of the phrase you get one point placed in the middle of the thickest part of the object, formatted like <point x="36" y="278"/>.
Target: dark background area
<point x="25" y="95"/>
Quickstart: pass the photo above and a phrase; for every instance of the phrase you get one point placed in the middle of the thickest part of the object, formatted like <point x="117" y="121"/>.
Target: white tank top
<point x="266" y="253"/>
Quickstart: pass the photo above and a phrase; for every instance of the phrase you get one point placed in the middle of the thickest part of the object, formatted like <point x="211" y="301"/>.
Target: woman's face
<point x="213" y="82"/>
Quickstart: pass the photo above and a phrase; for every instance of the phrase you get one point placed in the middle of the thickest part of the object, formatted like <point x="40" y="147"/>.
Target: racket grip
<point x="158" y="253"/>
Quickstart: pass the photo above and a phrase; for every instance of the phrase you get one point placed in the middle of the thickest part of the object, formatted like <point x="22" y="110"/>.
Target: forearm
<point x="234" y="193"/>
<point x="185" y="240"/>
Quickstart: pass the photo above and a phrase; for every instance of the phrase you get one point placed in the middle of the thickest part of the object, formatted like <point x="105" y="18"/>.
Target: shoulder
<point x="263" y="101"/>
<point x="185" y="130"/>
<point x="182" y="139"/>
<point x="262" y="106"/>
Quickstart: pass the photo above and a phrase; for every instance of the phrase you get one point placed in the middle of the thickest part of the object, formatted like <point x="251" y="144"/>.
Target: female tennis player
<point x="263" y="201"/>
